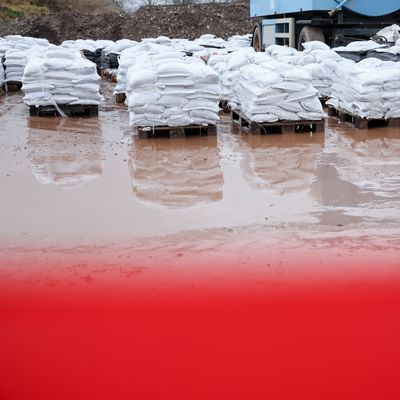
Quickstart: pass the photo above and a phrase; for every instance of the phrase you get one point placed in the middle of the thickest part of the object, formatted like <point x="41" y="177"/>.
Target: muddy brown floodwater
<point x="89" y="184"/>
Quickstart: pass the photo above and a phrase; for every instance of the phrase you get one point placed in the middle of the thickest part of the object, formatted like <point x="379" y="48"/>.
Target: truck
<point x="334" y="22"/>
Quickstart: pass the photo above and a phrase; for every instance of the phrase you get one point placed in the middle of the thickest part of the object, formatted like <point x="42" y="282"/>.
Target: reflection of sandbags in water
<point x="370" y="159"/>
<point x="282" y="163"/>
<point x="177" y="172"/>
<point x="65" y="152"/>
<point x="330" y="190"/>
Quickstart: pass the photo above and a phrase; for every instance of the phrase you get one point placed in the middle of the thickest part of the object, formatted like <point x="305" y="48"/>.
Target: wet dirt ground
<point x="77" y="190"/>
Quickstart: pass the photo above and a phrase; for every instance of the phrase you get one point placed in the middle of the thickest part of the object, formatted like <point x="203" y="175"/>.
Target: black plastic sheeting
<point x="358" y="56"/>
<point x="109" y="61"/>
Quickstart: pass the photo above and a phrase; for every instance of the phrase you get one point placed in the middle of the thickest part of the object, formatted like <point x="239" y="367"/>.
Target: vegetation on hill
<point x="11" y="9"/>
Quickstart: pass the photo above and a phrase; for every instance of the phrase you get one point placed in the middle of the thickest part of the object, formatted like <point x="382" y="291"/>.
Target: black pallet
<point x="263" y="128"/>
<point x="362" y="123"/>
<point x="180" y="131"/>
<point x="68" y="110"/>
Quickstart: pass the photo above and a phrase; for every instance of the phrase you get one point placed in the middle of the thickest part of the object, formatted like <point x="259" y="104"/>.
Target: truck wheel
<point x="256" y="42"/>
<point x="309" y="34"/>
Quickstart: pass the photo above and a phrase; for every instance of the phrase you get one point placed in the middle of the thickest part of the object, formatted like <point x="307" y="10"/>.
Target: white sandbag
<point x="288" y="96"/>
<point x="60" y="76"/>
<point x="165" y="90"/>
<point x="368" y="89"/>
<point x="315" y="45"/>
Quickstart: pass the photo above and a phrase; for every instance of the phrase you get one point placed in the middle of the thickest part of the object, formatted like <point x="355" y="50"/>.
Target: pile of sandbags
<point x="320" y="61"/>
<point x="369" y="89"/>
<point x="228" y="67"/>
<point x="176" y="177"/>
<point x="16" y="51"/>
<point x="209" y="40"/>
<point x="238" y="41"/>
<point x="61" y="77"/>
<point x="166" y="89"/>
<point x="317" y="59"/>
<point x="91" y="49"/>
<point x="128" y="58"/>
<point x="271" y="91"/>
<point x="1" y="74"/>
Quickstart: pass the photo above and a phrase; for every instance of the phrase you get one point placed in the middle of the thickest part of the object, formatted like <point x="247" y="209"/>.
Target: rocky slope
<point x="186" y="21"/>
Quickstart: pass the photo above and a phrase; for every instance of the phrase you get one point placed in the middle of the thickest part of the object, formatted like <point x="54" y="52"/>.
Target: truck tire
<point x="257" y="41"/>
<point x="308" y="34"/>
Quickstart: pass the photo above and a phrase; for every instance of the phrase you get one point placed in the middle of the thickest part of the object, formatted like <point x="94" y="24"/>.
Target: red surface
<point x="302" y="342"/>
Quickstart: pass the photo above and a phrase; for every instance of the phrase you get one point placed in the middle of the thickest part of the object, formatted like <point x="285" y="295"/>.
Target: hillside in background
<point x="11" y="9"/>
<point x="183" y="21"/>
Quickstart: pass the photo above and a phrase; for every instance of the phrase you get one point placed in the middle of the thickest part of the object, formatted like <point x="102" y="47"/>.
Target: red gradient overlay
<point x="325" y="339"/>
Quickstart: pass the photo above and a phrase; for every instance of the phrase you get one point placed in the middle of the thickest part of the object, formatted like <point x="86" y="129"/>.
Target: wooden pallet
<point x="323" y="100"/>
<point x="263" y="128"/>
<point x="120" y="98"/>
<point x="68" y="110"/>
<point x="108" y="75"/>
<point x="223" y="104"/>
<point x="173" y="132"/>
<point x="12" y="86"/>
<point x="362" y="123"/>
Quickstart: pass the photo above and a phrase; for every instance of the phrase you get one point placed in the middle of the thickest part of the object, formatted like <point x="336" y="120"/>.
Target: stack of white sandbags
<point x="4" y="46"/>
<point x="271" y="91"/>
<point x="238" y="41"/>
<point x="228" y="67"/>
<point x="14" y="64"/>
<point x="166" y="89"/>
<point x="110" y="54"/>
<point x="359" y="46"/>
<point x="18" y="49"/>
<point x="130" y="56"/>
<point x="317" y="59"/>
<point x="80" y="44"/>
<point x="1" y="74"/>
<point x="118" y="46"/>
<point x="141" y="51"/>
<point x="209" y="40"/>
<point x="369" y="89"/>
<point x="282" y="53"/>
<point x="163" y="40"/>
<point x="61" y="77"/>
<point x="320" y="61"/>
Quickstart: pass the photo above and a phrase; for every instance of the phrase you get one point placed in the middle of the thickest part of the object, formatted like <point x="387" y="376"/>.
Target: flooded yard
<point x="85" y="189"/>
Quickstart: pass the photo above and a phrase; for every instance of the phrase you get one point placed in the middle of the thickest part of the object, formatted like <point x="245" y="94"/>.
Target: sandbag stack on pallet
<point x="368" y="90"/>
<point x="317" y="58"/>
<point x="272" y="93"/>
<point x="91" y="49"/>
<point x="16" y="50"/>
<point x="110" y="58"/>
<point x="61" y="82"/>
<point x="237" y="42"/>
<point x="128" y="58"/>
<point x="228" y="67"/>
<point x="1" y="75"/>
<point x="168" y="90"/>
